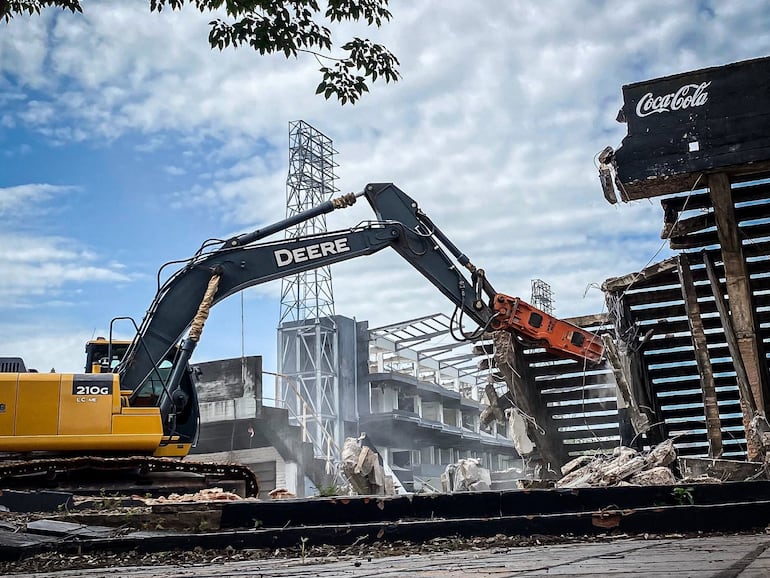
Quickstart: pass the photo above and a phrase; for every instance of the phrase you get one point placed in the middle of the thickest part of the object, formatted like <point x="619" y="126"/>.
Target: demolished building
<point x="692" y="330"/>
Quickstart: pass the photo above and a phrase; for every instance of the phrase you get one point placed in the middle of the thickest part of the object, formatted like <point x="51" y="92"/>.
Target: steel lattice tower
<point x="309" y="183"/>
<point x="307" y="336"/>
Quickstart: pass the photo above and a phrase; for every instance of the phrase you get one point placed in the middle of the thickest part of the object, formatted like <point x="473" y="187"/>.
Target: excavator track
<point x="139" y="474"/>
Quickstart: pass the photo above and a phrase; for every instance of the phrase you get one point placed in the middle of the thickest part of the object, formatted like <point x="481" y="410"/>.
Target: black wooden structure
<point x="696" y="327"/>
<point x="680" y="126"/>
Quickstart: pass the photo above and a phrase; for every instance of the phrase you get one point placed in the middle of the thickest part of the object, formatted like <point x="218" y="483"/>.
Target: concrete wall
<point x="227" y="379"/>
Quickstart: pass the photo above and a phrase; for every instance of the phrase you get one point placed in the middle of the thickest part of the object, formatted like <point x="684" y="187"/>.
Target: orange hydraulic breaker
<point x="556" y="336"/>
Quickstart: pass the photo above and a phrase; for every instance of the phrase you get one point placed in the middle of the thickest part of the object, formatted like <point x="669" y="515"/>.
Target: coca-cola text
<point x="688" y="96"/>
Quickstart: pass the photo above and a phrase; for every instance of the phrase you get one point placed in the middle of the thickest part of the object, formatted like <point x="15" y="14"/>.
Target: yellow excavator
<point x="135" y="407"/>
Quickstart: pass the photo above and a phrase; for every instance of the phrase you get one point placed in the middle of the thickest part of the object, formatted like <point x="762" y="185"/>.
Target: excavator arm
<point x="502" y="312"/>
<point x="240" y="262"/>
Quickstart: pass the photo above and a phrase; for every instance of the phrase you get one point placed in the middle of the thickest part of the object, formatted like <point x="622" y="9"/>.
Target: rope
<point x="204" y="308"/>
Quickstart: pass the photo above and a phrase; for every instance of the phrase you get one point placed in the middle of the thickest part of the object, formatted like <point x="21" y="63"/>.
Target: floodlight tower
<point x="307" y="335"/>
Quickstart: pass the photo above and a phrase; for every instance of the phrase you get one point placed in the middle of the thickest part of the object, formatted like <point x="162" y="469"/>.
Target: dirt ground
<point x="362" y="552"/>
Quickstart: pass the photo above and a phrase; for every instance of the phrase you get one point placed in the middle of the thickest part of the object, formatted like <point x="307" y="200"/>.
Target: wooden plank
<point x="681" y="397"/>
<point x="685" y="419"/>
<point x="572" y="396"/>
<point x="695" y="438"/>
<point x="713" y="425"/>
<point x="539" y="357"/>
<point x="635" y="300"/>
<point x="587" y="405"/>
<point x="588" y="436"/>
<point x="668" y="290"/>
<point x="629" y="280"/>
<point x="668" y="345"/>
<point x="740" y="171"/>
<point x="751" y="248"/>
<point x="692" y="383"/>
<point x="540" y="369"/>
<point x="577" y="381"/>
<point x="698" y="240"/>
<point x="663" y="342"/>
<point x="733" y="345"/>
<point x="748" y="401"/>
<point x="589" y="321"/>
<point x="563" y="370"/>
<point x="665" y="357"/>
<point x="592" y="447"/>
<point x="703" y="201"/>
<point x="738" y="288"/>
<point x="706" y="307"/>
<point x="584" y="421"/>
<point x="671" y="326"/>
<point x="700" y="222"/>
<point x="756" y="248"/>
<point x="681" y="370"/>
<point x="688" y="226"/>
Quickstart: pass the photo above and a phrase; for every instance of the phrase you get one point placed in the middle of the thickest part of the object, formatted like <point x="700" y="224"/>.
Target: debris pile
<point x="467" y="475"/>
<point x="624" y="467"/>
<point x="363" y="467"/>
<point x="281" y="494"/>
<point x="205" y="495"/>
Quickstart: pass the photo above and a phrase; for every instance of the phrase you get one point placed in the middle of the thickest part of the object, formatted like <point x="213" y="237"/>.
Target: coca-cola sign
<point x="688" y="96"/>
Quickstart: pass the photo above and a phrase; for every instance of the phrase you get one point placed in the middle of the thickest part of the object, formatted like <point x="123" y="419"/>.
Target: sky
<point x="125" y="141"/>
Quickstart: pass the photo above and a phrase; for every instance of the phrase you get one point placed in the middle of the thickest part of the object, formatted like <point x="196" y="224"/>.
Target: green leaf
<point x="274" y="26"/>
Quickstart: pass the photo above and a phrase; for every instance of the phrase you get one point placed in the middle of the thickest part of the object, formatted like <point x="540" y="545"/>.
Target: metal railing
<point x="331" y="450"/>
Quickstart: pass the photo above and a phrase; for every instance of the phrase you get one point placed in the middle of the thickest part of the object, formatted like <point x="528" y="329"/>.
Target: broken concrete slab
<point x="69" y="529"/>
<point x="722" y="469"/>
<point x="15" y="545"/>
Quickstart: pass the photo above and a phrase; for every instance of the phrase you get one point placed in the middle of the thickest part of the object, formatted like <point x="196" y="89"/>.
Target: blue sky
<point x="125" y="142"/>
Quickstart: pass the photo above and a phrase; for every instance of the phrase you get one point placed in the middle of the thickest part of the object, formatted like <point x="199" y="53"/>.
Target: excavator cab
<point x="104" y="357"/>
<point x="99" y="351"/>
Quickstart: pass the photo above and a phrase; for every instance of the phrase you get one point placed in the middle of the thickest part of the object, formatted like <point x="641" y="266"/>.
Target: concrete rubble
<point x="466" y="475"/>
<point x="625" y="466"/>
<point x="205" y="495"/>
<point x="363" y="468"/>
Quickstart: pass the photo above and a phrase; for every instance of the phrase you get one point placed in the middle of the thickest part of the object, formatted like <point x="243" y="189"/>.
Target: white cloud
<point x="44" y="347"/>
<point x="24" y="198"/>
<point x="48" y="267"/>
<point x="44" y="270"/>
<point x="175" y="171"/>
